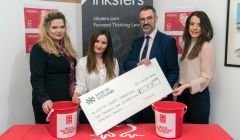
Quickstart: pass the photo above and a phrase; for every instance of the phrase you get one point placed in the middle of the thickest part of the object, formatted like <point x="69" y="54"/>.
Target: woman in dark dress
<point x="52" y="65"/>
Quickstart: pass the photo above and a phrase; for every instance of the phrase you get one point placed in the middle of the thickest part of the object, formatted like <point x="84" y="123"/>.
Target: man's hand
<point x="145" y="61"/>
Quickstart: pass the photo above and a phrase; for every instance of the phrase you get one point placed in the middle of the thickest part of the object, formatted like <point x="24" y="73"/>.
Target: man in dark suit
<point x="153" y="44"/>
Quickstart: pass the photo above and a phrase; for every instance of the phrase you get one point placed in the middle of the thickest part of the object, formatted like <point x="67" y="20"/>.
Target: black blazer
<point x="163" y="49"/>
<point x="49" y="76"/>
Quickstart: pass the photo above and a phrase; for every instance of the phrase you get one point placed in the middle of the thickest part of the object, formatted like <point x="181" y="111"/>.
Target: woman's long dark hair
<point x="206" y="35"/>
<point x="107" y="57"/>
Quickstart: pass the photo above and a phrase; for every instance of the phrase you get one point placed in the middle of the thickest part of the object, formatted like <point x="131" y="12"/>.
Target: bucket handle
<point x="49" y="114"/>
<point x="153" y="108"/>
<point x="185" y="109"/>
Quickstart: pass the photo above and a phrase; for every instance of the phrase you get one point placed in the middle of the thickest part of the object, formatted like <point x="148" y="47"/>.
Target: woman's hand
<point x="75" y="98"/>
<point x="178" y="91"/>
<point x="47" y="106"/>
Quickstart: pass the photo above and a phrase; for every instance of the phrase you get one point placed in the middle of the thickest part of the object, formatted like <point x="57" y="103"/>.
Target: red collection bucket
<point x="169" y="118"/>
<point x="63" y="119"/>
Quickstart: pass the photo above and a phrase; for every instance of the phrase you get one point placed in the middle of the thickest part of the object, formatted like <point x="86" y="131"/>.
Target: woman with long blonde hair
<point x="52" y="65"/>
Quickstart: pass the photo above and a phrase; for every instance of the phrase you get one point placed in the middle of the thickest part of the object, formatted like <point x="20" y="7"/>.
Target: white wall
<point x="15" y="88"/>
<point x="225" y="95"/>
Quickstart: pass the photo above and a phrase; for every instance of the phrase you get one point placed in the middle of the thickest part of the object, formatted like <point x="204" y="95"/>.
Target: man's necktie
<point x="145" y="47"/>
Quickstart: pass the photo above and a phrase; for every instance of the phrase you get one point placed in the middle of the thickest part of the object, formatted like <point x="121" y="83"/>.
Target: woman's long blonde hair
<point x="46" y="42"/>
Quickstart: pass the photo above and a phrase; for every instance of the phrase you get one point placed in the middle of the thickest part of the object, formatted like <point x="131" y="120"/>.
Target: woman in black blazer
<point x="52" y="65"/>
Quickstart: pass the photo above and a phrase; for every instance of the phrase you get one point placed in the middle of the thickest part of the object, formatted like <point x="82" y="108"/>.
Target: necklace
<point x="100" y="64"/>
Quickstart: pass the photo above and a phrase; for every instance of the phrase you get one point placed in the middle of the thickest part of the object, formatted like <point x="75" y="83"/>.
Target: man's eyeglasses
<point x="150" y="18"/>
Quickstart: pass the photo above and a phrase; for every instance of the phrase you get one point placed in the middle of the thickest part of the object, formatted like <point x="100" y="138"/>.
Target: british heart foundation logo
<point x="68" y="119"/>
<point x="162" y="118"/>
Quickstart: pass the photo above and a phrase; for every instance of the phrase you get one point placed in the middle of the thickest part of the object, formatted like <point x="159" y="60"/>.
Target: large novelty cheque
<point x="120" y="98"/>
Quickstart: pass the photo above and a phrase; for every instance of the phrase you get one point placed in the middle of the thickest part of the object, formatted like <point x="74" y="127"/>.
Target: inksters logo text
<point x="118" y="2"/>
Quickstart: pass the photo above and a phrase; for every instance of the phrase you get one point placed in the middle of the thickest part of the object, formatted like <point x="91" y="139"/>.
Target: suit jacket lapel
<point x="140" y="43"/>
<point x="156" y="44"/>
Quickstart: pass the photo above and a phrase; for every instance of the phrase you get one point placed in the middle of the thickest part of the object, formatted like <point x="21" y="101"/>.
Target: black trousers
<point x="82" y="118"/>
<point x="198" y="106"/>
<point x="146" y="115"/>
<point x="40" y="116"/>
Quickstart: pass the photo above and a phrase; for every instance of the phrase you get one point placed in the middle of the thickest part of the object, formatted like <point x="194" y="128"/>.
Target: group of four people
<point x="56" y="75"/>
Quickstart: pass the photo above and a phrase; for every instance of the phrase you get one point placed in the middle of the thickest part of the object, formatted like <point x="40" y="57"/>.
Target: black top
<point x="49" y="76"/>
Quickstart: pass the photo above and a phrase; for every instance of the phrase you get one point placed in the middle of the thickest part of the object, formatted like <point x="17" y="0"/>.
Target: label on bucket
<point x="66" y="125"/>
<point x="165" y="124"/>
